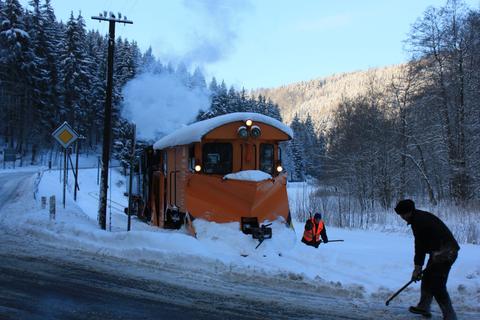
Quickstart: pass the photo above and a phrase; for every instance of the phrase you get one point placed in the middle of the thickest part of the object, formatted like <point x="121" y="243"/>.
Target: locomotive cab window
<point x="191" y="157"/>
<point x="217" y="158"/>
<point x="266" y="158"/>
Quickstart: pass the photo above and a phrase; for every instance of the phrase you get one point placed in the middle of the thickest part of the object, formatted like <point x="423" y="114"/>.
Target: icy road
<point x="44" y="279"/>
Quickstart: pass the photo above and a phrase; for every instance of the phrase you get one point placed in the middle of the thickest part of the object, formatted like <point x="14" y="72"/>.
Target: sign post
<point x="65" y="135"/>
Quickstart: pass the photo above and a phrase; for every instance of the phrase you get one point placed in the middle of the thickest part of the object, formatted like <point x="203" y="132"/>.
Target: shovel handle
<point x="403" y="288"/>
<point x="398" y="292"/>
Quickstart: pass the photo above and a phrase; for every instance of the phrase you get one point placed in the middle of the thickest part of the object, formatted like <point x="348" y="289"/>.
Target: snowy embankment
<point x="369" y="263"/>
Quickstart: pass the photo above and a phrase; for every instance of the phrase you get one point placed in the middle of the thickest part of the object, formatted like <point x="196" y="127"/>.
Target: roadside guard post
<point x="9" y="155"/>
<point x="65" y="135"/>
<point x="52" y="208"/>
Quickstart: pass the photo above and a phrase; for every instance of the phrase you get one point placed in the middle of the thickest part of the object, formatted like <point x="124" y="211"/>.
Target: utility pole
<point x="107" y="123"/>
<point x="132" y="163"/>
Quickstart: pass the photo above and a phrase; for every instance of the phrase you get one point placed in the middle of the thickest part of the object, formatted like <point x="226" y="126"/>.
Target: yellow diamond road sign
<point x="65" y="135"/>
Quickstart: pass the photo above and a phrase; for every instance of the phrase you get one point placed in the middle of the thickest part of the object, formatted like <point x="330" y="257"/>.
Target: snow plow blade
<point x="215" y="199"/>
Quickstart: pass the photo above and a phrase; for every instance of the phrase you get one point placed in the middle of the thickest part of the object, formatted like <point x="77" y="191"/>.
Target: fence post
<point x="52" y="208"/>
<point x="44" y="202"/>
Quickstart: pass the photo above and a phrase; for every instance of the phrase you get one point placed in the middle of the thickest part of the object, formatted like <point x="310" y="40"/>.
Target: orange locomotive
<point x="223" y="169"/>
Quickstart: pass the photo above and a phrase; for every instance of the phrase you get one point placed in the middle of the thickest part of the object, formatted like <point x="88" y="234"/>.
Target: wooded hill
<point x="320" y="97"/>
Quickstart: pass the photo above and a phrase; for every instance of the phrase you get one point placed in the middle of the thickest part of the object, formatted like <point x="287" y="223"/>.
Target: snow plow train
<point x="224" y="169"/>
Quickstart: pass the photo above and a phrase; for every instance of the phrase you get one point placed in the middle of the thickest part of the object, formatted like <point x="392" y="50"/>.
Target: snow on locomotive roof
<point x="195" y="131"/>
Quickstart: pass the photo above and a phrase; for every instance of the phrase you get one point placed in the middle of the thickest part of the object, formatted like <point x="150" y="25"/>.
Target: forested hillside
<point x="320" y="97"/>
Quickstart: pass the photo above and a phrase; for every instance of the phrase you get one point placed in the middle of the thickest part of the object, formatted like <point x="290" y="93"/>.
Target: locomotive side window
<point x="165" y="162"/>
<point x="191" y="157"/>
<point x="217" y="158"/>
<point x="266" y="158"/>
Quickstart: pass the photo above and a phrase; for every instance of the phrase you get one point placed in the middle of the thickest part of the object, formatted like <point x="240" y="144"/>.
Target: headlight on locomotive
<point x="256" y="132"/>
<point x="242" y="132"/>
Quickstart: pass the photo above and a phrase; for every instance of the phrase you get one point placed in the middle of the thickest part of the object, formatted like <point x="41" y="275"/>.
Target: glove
<point x="326" y="241"/>
<point x="417" y="273"/>
<point x="308" y="225"/>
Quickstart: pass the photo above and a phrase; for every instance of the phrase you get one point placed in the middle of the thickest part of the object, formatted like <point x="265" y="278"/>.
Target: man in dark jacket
<point x="432" y="236"/>
<point x="314" y="229"/>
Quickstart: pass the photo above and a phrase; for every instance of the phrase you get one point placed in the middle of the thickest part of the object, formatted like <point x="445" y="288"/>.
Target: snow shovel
<point x="401" y="289"/>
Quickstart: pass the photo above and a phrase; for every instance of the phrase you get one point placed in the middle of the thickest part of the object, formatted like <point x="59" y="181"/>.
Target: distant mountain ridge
<point x="320" y="97"/>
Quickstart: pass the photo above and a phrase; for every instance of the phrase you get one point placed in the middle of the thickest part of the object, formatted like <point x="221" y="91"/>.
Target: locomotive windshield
<point x="266" y="158"/>
<point x="217" y="158"/>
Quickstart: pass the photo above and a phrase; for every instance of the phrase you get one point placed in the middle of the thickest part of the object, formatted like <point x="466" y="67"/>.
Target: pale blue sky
<point x="264" y="43"/>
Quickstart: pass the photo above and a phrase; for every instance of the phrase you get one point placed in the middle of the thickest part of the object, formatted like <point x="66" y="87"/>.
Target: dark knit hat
<point x="405" y="206"/>
<point x="317" y="216"/>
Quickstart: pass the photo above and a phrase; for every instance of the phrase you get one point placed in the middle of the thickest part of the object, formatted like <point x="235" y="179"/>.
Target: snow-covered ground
<point x="369" y="263"/>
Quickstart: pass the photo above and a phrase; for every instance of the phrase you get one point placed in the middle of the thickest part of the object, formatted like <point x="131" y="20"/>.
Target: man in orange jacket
<point x="314" y="230"/>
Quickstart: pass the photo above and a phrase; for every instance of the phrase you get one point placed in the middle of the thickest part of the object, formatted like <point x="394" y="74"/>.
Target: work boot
<point x="423" y="312"/>
<point x="423" y="306"/>
<point x="447" y="310"/>
<point x="426" y="299"/>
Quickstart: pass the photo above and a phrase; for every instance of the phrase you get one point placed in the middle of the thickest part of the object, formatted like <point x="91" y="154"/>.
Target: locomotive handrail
<point x="170" y="186"/>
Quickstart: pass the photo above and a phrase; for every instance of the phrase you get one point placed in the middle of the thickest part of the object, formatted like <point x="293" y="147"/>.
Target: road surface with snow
<point x="40" y="281"/>
<point x="45" y="275"/>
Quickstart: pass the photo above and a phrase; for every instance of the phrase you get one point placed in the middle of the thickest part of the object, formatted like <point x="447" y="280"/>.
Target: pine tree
<point x="213" y="87"/>
<point x="233" y="102"/>
<point x="147" y="62"/>
<point x="127" y="64"/>
<point x="198" y="80"/>
<point x="219" y="101"/>
<point x="75" y="66"/>
<point x="134" y="60"/>
<point x="183" y="76"/>
<point x="97" y="49"/>
<point x="53" y="40"/>
<point x="122" y="146"/>
<point x="85" y="79"/>
<point x="296" y="151"/>
<point x="321" y="151"/>
<point x="310" y="147"/>
<point x="273" y="110"/>
<point x="17" y="65"/>
<point x="44" y="101"/>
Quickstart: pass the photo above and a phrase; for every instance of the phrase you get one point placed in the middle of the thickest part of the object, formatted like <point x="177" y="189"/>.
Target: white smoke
<point x="160" y="103"/>
<point x="218" y="34"/>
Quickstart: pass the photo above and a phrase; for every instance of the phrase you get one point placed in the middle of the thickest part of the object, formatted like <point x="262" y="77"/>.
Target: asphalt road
<point x="41" y="288"/>
<point x="11" y="185"/>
